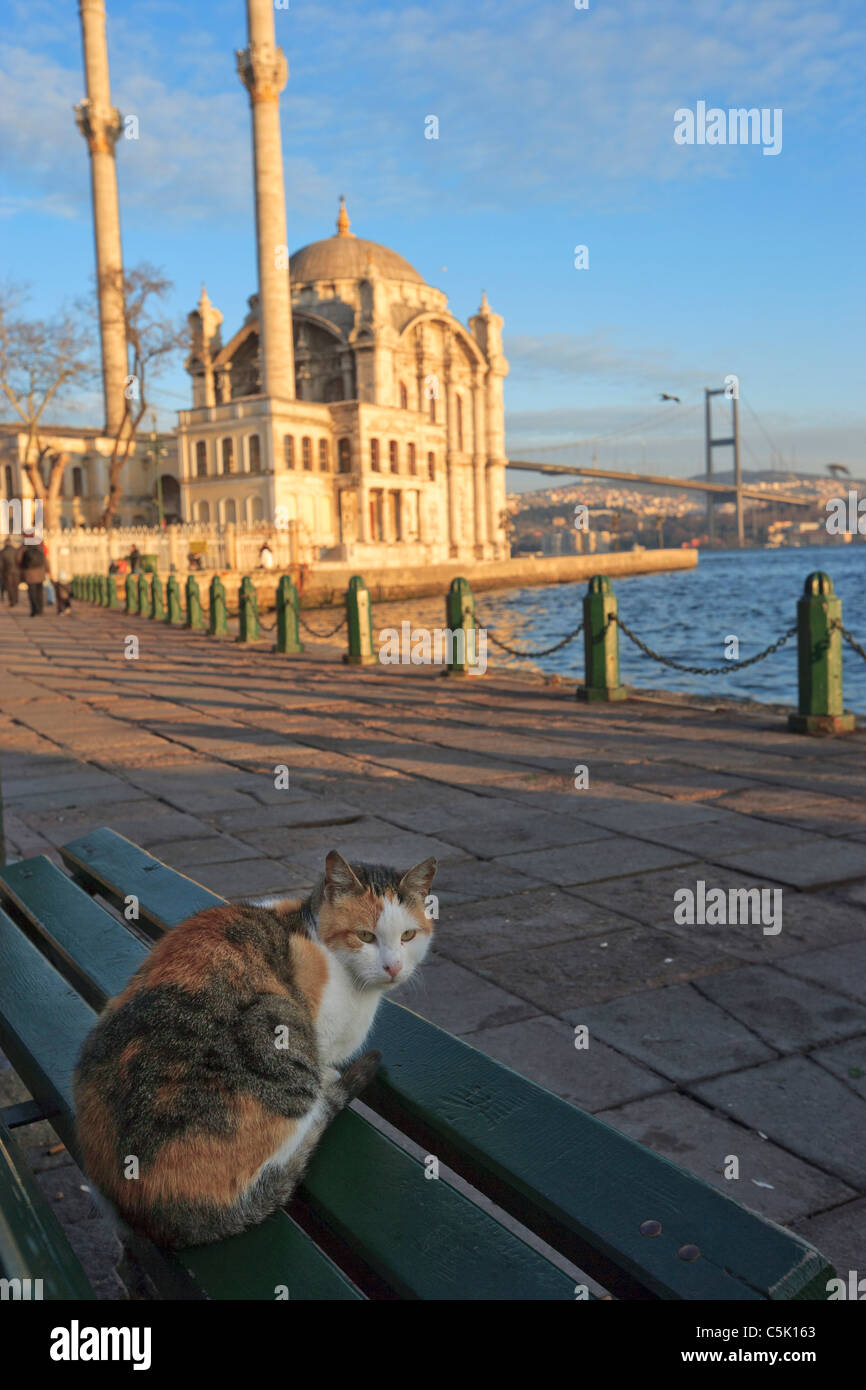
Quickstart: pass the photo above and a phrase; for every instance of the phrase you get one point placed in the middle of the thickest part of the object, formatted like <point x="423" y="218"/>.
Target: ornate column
<point x="264" y="71"/>
<point x="101" y="124"/>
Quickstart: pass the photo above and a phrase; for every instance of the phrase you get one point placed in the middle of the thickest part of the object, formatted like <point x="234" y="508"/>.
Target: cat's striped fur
<point x="217" y="1067"/>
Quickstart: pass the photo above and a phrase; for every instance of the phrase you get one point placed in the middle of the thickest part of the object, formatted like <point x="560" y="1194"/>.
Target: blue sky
<point x="555" y="129"/>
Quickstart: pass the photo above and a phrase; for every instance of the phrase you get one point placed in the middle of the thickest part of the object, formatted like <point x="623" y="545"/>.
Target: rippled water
<point x="687" y="615"/>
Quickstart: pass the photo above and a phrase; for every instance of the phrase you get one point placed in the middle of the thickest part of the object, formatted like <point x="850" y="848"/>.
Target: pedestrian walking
<point x="10" y="575"/>
<point x="33" y="564"/>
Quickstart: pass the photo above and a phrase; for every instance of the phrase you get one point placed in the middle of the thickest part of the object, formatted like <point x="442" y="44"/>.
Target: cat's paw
<point x="360" y="1073"/>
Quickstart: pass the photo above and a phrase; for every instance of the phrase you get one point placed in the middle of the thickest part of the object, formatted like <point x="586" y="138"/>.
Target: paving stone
<point x="520" y="921"/>
<point x="471" y="880"/>
<point x="798" y="1105"/>
<point x="840" y="1235"/>
<point x="455" y="999"/>
<point x="211" y="849"/>
<point x="615" y="856"/>
<point x="822" y="815"/>
<point x="577" y="972"/>
<point x="771" y="1181"/>
<point x="145" y="822"/>
<point x="842" y="968"/>
<point x="247" y="877"/>
<point x="300" y="809"/>
<point x="847" y="1060"/>
<point x="501" y="829"/>
<point x="367" y="840"/>
<point x="676" y="1032"/>
<point x="820" y="864"/>
<point x="790" y="1014"/>
<point x="543" y="1049"/>
<point x="711" y="839"/>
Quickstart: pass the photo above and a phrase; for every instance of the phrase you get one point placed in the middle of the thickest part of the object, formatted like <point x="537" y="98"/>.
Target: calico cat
<point x="217" y="1067"/>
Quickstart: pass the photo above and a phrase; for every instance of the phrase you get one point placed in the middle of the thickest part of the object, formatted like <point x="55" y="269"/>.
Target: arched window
<point x="433" y="409"/>
<point x="324" y="456"/>
<point x="203" y="512"/>
<point x="374" y="456"/>
<point x="307" y="452"/>
<point x="393" y="456"/>
<point x="459" y="422"/>
<point x="228" y="456"/>
<point x="431" y="465"/>
<point x="344" y="456"/>
<point x="255" y="448"/>
<point x="413" y="461"/>
<point x="201" y="458"/>
<point x="404" y="396"/>
<point x="77" y="482"/>
<point x="289" y="450"/>
<point x="229" y="511"/>
<point x="254" y="509"/>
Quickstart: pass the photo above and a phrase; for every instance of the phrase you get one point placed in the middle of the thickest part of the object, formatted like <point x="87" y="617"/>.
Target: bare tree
<point x="151" y="341"/>
<point x="40" y="361"/>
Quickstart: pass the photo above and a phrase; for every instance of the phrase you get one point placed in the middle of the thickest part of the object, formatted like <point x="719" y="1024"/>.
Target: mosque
<point x="350" y="404"/>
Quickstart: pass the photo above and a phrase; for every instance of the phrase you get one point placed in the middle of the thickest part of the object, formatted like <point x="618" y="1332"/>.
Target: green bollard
<point x="601" y="643"/>
<point x="194" y="619"/>
<point x="111" y="591"/>
<point x="143" y="594"/>
<point x="174" y="612"/>
<point x="288" y="638"/>
<point x="359" y="617"/>
<point x="157" y="599"/>
<point x="101" y="591"/>
<point x="89" y="589"/>
<point x="460" y="618"/>
<point x="819" y="661"/>
<point x="131" y="593"/>
<point x="76" y="588"/>
<point x="218" y="625"/>
<point x="248" y="611"/>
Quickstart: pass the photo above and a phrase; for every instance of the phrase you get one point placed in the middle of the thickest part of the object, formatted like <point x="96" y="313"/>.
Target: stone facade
<point x="396" y="433"/>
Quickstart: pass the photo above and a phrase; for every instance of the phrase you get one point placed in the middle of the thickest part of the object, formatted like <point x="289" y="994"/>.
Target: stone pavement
<point x="557" y="903"/>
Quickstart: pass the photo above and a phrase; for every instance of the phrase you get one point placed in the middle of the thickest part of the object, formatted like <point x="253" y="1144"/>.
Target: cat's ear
<point x="340" y="878"/>
<point x="415" y="883"/>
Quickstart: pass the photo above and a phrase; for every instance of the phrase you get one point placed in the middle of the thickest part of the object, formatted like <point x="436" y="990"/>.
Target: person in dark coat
<point x="33" y="564"/>
<point x="134" y="557"/>
<point x="10" y="575"/>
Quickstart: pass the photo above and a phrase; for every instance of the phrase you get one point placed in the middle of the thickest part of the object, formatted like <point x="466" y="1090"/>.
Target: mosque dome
<point x="346" y="257"/>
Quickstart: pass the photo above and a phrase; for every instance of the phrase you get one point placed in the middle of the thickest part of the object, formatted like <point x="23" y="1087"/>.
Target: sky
<point x="555" y="130"/>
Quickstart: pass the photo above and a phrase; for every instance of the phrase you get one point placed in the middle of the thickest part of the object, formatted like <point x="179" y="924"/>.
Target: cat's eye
<point x="366" y="936"/>
<point x="407" y="935"/>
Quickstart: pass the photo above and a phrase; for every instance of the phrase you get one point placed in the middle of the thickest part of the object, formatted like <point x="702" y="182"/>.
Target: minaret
<point x="101" y="125"/>
<point x="263" y="70"/>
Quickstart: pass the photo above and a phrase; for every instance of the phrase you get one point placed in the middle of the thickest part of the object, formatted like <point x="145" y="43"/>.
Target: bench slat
<point x="32" y="1242"/>
<point x="422" y="1236"/>
<point x="108" y="863"/>
<point x="582" y="1185"/>
<point x="43" y="1045"/>
<point x="74" y="932"/>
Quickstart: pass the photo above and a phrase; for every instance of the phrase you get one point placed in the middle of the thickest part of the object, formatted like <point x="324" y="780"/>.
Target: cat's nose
<point x="394" y="970"/>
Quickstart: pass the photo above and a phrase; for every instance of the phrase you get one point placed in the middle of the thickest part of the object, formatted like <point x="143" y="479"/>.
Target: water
<point x="688" y="614"/>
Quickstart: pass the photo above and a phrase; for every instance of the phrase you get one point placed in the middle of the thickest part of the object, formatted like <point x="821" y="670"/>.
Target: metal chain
<point x="546" y="651"/>
<point x="850" y="639"/>
<point x="266" y="627"/>
<point x="703" y="670"/>
<point x="313" y="633"/>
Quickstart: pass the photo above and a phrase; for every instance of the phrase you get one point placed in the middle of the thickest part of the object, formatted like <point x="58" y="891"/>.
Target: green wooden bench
<point x="634" y="1222"/>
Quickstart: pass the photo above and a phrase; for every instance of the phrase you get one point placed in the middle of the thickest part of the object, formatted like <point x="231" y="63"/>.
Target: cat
<point x="206" y="1084"/>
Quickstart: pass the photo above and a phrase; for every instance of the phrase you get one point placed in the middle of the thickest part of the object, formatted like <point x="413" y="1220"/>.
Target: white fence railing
<point x="229" y="547"/>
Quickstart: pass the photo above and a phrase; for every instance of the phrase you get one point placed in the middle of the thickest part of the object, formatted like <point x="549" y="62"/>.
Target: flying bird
<point x="838" y="468"/>
<point x="665" y="397"/>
